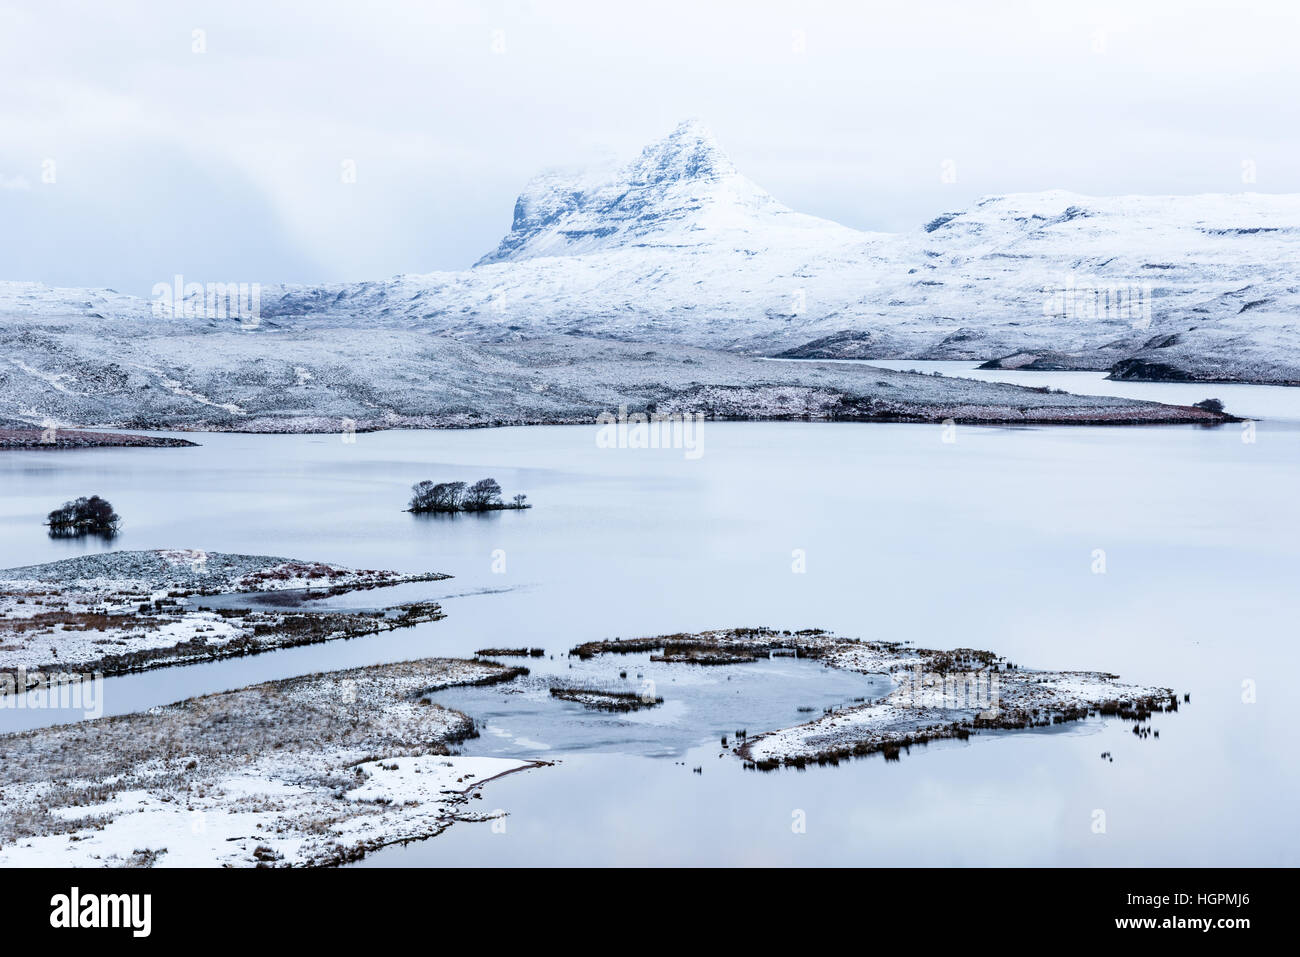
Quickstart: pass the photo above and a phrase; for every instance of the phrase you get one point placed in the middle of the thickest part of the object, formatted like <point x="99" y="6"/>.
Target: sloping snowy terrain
<point x="679" y="249"/>
<point x="355" y="378"/>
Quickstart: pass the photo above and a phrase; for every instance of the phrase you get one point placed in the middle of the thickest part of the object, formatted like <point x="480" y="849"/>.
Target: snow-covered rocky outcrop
<point x="681" y="193"/>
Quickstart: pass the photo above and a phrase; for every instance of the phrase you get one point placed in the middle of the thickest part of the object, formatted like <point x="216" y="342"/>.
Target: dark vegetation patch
<point x="696" y="653"/>
<point x="753" y="641"/>
<point x="600" y="699"/>
<point x="84" y="516"/>
<point x="1145" y="371"/>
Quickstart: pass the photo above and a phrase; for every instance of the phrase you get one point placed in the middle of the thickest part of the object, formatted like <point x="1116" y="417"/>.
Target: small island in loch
<point x="127" y="611"/>
<point x="933" y="695"/>
<point x="482" y="496"/>
<point x="85" y="516"/>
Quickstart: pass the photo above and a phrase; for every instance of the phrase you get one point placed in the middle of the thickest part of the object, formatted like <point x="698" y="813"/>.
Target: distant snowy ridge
<point x="678" y="247"/>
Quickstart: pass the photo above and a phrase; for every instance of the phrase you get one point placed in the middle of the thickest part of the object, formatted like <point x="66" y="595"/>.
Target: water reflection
<point x="985" y="542"/>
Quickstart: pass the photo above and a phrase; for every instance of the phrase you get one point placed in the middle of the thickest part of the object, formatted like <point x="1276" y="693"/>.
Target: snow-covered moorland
<point x="117" y="612"/>
<point x="679" y="247"/>
<point x="222" y="379"/>
<point x="934" y="695"/>
<point x="310" y="771"/>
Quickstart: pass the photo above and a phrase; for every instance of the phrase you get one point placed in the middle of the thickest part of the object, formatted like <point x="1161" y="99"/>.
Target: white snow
<point x="934" y="694"/>
<point x="89" y="608"/>
<point x="307" y="771"/>
<point x="235" y="816"/>
<point x="678" y="248"/>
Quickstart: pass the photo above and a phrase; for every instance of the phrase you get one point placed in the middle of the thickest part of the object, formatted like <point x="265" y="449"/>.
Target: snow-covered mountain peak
<point x="690" y="152"/>
<point x="682" y="191"/>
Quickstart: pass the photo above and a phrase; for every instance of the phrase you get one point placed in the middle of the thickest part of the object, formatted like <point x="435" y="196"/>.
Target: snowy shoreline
<point x="311" y="771"/>
<point x="935" y="694"/>
<point x="122" y="612"/>
<point x="54" y="439"/>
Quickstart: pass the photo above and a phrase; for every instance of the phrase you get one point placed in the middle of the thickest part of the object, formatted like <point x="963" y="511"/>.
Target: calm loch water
<point x="988" y="541"/>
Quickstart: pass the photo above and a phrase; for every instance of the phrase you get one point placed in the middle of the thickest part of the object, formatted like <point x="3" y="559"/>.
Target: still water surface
<point x="987" y="542"/>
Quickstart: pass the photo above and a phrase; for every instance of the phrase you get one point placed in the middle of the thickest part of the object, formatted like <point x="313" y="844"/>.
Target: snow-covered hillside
<point x="679" y="248"/>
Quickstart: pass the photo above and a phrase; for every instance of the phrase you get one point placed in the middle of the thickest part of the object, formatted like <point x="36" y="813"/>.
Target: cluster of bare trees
<point x="85" y="516"/>
<point x="482" y="496"/>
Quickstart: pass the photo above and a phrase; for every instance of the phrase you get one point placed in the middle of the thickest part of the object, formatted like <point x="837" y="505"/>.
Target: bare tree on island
<point x="483" y="496"/>
<point x="85" y="516"/>
<point x="449" y="496"/>
<point x="422" y="497"/>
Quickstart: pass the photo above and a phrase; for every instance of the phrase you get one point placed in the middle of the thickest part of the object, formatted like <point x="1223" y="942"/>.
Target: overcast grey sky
<point x="225" y="164"/>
